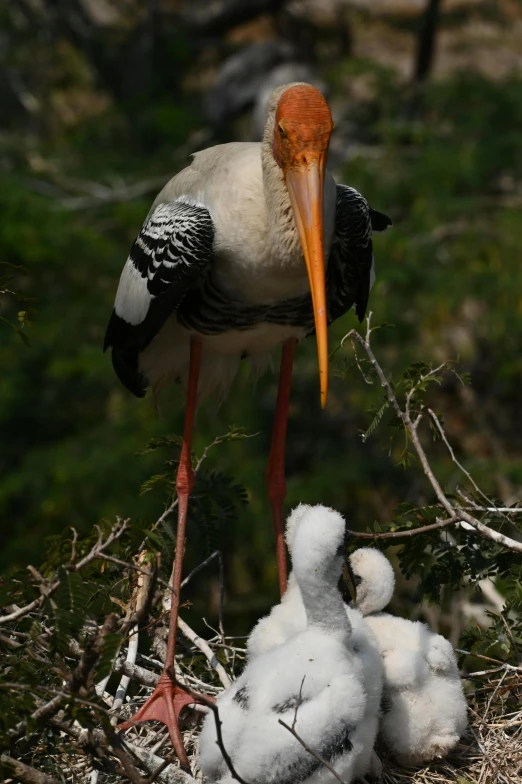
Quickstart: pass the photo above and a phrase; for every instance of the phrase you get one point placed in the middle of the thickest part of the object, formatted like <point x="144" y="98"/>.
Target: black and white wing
<point x="170" y="255"/>
<point x="350" y="267"/>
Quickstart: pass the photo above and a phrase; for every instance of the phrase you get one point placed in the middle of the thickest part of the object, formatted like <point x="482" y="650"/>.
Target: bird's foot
<point x="165" y="704"/>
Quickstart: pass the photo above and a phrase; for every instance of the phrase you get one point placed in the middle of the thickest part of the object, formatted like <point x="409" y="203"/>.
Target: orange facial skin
<point x="303" y="126"/>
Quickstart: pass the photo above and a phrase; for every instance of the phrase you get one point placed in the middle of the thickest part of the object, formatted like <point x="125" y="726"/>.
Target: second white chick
<point x="315" y="672"/>
<point x="425" y="709"/>
<point x="288" y="618"/>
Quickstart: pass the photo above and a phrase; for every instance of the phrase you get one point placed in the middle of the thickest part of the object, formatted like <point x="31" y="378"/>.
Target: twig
<point x="311" y="751"/>
<point x="214" y="708"/>
<point x="47" y="588"/>
<point x="408" y="532"/>
<point x="503" y="665"/>
<point x="451" y="451"/>
<point x="412" y="429"/>
<point x="305" y="745"/>
<point x="199" y="567"/>
<point x="204" y="647"/>
<point x="494" y="694"/>
<point x="510" y="635"/>
<point x="216" y="554"/>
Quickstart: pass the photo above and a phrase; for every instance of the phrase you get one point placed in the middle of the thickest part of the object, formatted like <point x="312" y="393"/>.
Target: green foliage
<point x="24" y="317"/>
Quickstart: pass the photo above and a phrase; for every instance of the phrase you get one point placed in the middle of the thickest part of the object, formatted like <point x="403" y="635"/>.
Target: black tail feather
<point x="380" y="221"/>
<point x="125" y="363"/>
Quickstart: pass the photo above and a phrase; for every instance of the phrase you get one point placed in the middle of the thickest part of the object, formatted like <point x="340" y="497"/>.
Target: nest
<point x="489" y="753"/>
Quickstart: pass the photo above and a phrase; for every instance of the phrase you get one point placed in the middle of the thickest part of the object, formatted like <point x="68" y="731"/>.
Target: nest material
<point x="489" y="753"/>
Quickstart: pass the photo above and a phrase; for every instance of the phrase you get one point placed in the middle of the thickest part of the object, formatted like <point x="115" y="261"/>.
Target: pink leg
<point x="275" y="472"/>
<point x="167" y="700"/>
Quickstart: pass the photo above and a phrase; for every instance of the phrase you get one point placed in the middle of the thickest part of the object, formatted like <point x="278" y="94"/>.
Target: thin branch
<point x="503" y="665"/>
<point x="199" y="567"/>
<point x="412" y="429"/>
<point x="450" y="449"/>
<point x="305" y="745"/>
<point x="510" y="635"/>
<point x="205" y="648"/>
<point x="310" y="750"/>
<point x="401" y="534"/>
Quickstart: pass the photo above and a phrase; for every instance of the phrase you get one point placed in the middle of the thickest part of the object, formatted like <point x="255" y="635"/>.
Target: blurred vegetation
<point x="86" y="139"/>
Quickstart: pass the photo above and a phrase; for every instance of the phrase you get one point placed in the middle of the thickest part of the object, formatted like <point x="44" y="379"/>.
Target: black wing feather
<point x="169" y="256"/>
<point x="351" y="259"/>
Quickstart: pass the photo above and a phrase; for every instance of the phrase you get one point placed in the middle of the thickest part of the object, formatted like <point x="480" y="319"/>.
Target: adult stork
<point x="251" y="246"/>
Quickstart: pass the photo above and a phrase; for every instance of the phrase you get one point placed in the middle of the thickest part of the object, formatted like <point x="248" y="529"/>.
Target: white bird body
<point x="426" y="709"/>
<point x="288" y="618"/>
<point x="315" y="672"/>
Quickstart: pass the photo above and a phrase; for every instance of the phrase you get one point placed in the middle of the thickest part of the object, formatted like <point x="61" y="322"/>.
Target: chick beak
<point x="349" y="581"/>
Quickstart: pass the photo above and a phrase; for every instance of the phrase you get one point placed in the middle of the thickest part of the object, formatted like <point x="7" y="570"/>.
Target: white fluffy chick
<point x="425" y="710"/>
<point x="314" y="672"/>
<point x="288" y="618"/>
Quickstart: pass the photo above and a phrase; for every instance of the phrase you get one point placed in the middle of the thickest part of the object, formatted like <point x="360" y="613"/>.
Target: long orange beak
<point x="305" y="185"/>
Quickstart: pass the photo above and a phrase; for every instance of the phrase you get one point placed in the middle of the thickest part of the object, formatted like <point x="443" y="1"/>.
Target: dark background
<point x="101" y="101"/>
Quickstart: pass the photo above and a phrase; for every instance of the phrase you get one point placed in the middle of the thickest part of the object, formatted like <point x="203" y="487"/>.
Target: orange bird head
<point x="303" y="126"/>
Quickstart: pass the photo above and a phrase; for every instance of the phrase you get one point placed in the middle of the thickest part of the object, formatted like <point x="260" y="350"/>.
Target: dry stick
<point x="25" y="773"/>
<point x="137" y="673"/>
<point x="494" y="694"/>
<point x="205" y="648"/>
<point x="503" y="665"/>
<point x="139" y="604"/>
<point x="173" y="776"/>
<point x="305" y="745"/>
<point x="411" y="427"/>
<point x="199" y="567"/>
<point x="215" y="710"/>
<point x="466" y="473"/>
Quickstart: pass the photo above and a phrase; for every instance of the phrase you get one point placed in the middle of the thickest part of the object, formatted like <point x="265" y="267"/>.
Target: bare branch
<point x="20" y="612"/>
<point x="407" y="532"/>
<point x="205" y="648"/>
<point x="412" y="429"/>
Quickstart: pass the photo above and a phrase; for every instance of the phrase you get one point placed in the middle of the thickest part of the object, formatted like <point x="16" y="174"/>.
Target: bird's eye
<point x="281" y="129"/>
<point x="341" y="549"/>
